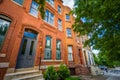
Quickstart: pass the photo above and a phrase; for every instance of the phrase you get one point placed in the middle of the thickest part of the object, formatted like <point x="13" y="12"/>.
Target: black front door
<point x="27" y="52"/>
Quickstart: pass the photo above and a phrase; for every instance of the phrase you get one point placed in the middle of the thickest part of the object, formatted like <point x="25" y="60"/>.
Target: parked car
<point x="114" y="72"/>
<point x="103" y="69"/>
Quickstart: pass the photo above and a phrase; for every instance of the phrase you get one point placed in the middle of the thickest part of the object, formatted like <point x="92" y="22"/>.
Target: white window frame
<point x="59" y="9"/>
<point x="70" y="53"/>
<point x="60" y="24"/>
<point x="34" y="8"/>
<point x="48" y="49"/>
<point x="18" y="3"/>
<point x="66" y="17"/>
<point x="58" y="48"/>
<point x="51" y="2"/>
<point x="8" y="21"/>
<point x="69" y="34"/>
<point x="49" y="18"/>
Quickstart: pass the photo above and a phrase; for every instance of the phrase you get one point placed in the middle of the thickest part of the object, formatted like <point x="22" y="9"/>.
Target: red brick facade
<point x="21" y="19"/>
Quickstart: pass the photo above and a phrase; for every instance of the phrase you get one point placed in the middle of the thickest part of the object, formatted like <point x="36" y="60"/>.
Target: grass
<point x="73" y="78"/>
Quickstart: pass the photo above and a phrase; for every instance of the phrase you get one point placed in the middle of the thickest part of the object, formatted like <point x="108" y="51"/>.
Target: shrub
<point x="63" y="72"/>
<point x="50" y="73"/>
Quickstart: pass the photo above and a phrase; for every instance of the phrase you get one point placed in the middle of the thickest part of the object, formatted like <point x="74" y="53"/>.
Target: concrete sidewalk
<point x="89" y="77"/>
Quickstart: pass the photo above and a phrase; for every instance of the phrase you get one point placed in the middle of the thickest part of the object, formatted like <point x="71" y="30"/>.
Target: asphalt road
<point x="113" y="77"/>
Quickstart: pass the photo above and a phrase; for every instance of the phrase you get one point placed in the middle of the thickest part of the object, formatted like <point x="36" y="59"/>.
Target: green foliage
<point x="41" y="7"/>
<point x="101" y="24"/>
<point x="72" y="78"/>
<point x="50" y="73"/>
<point x="63" y="72"/>
<point x="95" y="59"/>
<point x="102" y="59"/>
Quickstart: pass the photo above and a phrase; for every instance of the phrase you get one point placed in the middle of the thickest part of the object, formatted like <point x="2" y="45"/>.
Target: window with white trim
<point x="34" y="8"/>
<point x="58" y="49"/>
<point x="59" y="24"/>
<point x="51" y="2"/>
<point x="19" y="1"/>
<point x="48" y="50"/>
<point x="69" y="33"/>
<point x="4" y="25"/>
<point x="49" y="17"/>
<point x="67" y="17"/>
<point x="59" y="9"/>
<point x="70" y="53"/>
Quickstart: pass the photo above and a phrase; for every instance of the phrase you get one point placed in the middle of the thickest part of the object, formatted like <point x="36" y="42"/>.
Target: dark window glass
<point x="31" y="48"/>
<point x="34" y="9"/>
<point x="49" y="17"/>
<point x="19" y="1"/>
<point x="59" y="9"/>
<point x="59" y="24"/>
<point x="4" y="25"/>
<point x="67" y="17"/>
<point x="48" y="51"/>
<point x="50" y="2"/>
<point x="58" y="49"/>
<point x="24" y="46"/>
<point x="69" y="34"/>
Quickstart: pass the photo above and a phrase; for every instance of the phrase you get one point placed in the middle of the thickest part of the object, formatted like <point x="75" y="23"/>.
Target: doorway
<point x="27" y="50"/>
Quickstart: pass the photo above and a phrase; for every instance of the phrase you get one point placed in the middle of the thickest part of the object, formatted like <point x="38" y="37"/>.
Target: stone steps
<point x="25" y="75"/>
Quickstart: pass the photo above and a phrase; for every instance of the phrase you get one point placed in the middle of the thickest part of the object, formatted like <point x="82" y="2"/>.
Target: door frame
<point x="34" y="46"/>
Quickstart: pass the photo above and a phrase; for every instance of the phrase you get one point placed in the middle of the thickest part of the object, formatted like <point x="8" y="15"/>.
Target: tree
<point x="101" y="22"/>
<point x="41" y="7"/>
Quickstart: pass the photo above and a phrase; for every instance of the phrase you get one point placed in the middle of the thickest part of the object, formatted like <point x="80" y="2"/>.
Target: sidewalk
<point x="100" y="77"/>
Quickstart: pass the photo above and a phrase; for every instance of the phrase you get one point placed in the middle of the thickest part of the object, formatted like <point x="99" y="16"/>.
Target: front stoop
<point x="25" y="75"/>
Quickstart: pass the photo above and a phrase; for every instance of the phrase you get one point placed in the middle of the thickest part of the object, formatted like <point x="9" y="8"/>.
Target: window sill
<point x="52" y="60"/>
<point x="68" y="21"/>
<point x="70" y="37"/>
<point x="33" y="16"/>
<point x="51" y="5"/>
<point x="49" y="24"/>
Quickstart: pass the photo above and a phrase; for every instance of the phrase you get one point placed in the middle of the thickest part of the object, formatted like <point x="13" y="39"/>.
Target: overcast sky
<point x="69" y="3"/>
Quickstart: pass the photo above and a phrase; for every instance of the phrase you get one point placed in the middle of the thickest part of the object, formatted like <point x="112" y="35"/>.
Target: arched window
<point x="4" y="25"/>
<point x="48" y="50"/>
<point x="58" y="49"/>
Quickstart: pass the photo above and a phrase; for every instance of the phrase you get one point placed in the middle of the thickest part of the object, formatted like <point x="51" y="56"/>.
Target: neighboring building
<point x="73" y="44"/>
<point x="87" y="53"/>
<point x="29" y="42"/>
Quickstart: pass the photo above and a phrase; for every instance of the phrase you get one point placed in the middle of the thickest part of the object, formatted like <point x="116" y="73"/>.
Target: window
<point x="59" y="25"/>
<point x="77" y="39"/>
<point x="49" y="17"/>
<point x="34" y="9"/>
<point x="4" y="25"/>
<point x="19" y="1"/>
<point x="67" y="17"/>
<point x="59" y="9"/>
<point x="69" y="32"/>
<point x="50" y="2"/>
<point x="58" y="49"/>
<point x="70" y="52"/>
<point x="48" y="51"/>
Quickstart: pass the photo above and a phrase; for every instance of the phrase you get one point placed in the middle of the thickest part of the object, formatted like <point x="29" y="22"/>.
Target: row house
<point x="28" y="42"/>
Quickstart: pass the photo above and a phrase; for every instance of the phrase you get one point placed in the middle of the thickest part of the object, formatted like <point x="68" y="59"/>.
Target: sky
<point x="69" y="3"/>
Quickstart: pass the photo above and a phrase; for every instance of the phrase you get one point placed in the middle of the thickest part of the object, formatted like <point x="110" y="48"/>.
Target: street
<point x="100" y="77"/>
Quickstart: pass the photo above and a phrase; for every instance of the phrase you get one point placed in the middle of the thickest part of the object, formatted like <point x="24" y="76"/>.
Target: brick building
<point x="29" y="42"/>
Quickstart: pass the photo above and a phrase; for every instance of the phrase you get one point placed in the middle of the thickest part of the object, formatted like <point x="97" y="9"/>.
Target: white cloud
<point x="69" y="3"/>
